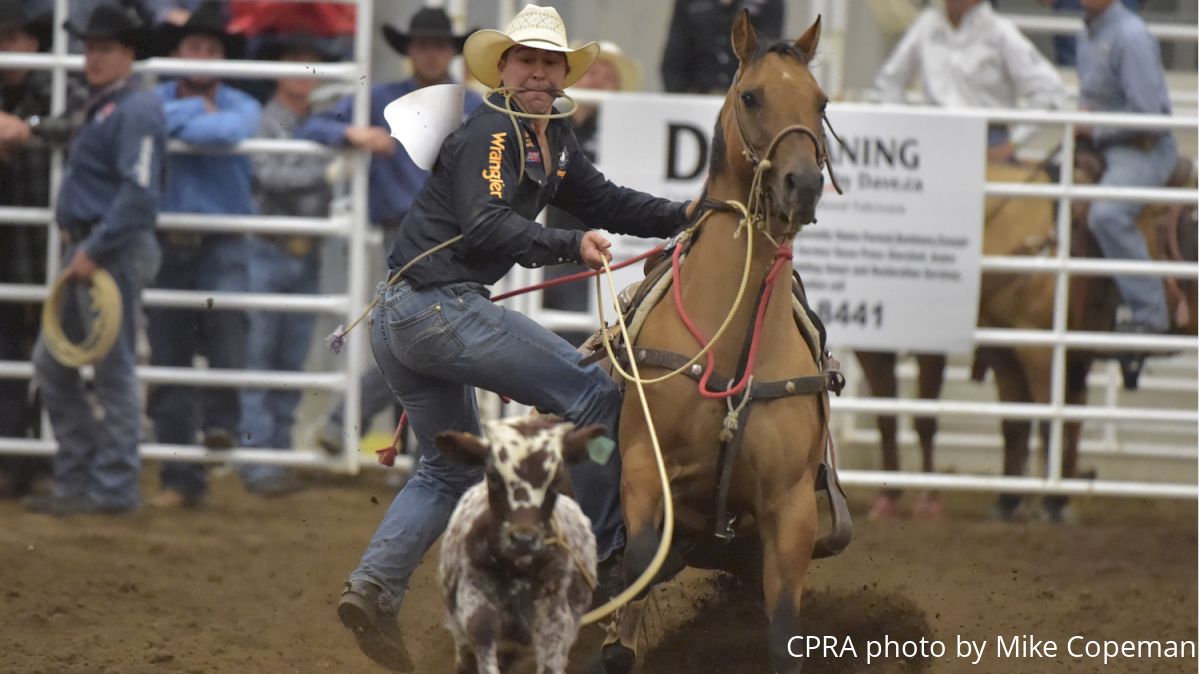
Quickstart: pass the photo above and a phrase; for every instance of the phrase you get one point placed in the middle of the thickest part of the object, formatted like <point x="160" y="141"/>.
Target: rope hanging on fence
<point x="104" y="327"/>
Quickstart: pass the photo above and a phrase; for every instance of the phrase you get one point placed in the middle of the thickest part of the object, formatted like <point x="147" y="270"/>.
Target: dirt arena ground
<point x="248" y="585"/>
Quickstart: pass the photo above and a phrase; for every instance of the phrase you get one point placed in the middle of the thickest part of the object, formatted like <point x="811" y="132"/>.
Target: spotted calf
<point x="518" y="560"/>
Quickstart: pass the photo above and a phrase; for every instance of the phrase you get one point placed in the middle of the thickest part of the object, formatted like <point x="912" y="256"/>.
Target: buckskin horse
<point x="1026" y="301"/>
<point x="763" y="472"/>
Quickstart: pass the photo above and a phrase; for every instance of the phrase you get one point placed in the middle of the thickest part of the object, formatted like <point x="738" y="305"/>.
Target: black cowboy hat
<point x="274" y="46"/>
<point x="121" y="22"/>
<point x="35" y="18"/>
<point x="208" y="19"/>
<point x="428" y="22"/>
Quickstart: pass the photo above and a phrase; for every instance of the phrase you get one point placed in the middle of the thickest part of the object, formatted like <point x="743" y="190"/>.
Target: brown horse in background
<point x="1026" y="301"/>
<point x="772" y="489"/>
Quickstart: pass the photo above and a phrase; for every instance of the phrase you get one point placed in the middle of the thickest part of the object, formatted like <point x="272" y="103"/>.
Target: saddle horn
<point x="422" y="119"/>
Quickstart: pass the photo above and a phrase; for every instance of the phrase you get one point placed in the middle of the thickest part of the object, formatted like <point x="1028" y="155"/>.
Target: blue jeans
<point x="435" y="345"/>
<point x="1114" y="224"/>
<point x="275" y="341"/>
<point x="178" y="335"/>
<point x="98" y="459"/>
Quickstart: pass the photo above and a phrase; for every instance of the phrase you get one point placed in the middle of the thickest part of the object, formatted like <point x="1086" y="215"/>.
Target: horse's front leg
<point x="788" y="532"/>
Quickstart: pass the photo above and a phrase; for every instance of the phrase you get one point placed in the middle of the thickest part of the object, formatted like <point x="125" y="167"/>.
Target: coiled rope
<point x="105" y="310"/>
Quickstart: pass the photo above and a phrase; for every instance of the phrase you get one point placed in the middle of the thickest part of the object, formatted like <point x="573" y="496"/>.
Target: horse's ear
<point x="807" y="43"/>
<point x="745" y="40"/>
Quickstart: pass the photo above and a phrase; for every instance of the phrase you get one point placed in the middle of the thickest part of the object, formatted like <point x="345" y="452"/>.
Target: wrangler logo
<point x="491" y="176"/>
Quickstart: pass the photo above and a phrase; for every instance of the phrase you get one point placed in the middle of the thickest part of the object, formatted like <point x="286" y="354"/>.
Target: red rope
<point x="783" y="257"/>
<point x="581" y="275"/>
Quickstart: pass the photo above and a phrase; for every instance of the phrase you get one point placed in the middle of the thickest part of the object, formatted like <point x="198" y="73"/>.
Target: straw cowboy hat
<point x="533" y="26"/>
<point x="627" y="68"/>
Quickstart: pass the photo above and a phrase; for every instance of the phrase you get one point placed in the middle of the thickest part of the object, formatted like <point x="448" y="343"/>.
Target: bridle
<point x="759" y="203"/>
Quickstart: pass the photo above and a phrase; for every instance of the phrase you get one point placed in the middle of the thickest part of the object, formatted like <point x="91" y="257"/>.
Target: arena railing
<point x="350" y="226"/>
<point x="1059" y="338"/>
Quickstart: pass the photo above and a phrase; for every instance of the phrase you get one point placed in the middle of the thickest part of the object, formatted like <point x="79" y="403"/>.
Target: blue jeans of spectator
<point x="97" y="459"/>
<point x="178" y="335"/>
<point x="435" y="345"/>
<point x="275" y="341"/>
<point x="1114" y="224"/>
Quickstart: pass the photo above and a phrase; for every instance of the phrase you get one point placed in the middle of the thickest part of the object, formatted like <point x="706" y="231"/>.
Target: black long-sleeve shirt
<point x="699" y="56"/>
<point x="476" y="190"/>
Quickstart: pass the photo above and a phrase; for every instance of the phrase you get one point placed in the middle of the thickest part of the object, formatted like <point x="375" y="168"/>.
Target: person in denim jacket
<point x="201" y="110"/>
<point x="107" y="210"/>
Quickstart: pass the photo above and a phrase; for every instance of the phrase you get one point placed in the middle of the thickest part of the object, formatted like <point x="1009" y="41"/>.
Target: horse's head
<point x="772" y="115"/>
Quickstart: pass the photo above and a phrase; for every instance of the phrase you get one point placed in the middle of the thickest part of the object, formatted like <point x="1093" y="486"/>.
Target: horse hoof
<point x="1007" y="508"/>
<point x="1056" y="510"/>
<point x="928" y="507"/>
<point x="883" y="508"/>
<point x="618" y="659"/>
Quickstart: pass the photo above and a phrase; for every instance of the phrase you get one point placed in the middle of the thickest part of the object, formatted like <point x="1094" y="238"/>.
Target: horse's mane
<point x="781" y="47"/>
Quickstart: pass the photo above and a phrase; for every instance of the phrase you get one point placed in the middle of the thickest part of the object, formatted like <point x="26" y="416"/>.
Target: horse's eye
<point x="749" y="99"/>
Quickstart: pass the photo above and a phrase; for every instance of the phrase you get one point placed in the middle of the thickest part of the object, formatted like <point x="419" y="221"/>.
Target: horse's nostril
<point x="789" y="181"/>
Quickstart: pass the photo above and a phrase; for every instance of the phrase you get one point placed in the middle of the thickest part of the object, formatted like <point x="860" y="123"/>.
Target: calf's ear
<point x="462" y="447"/>
<point x="575" y="443"/>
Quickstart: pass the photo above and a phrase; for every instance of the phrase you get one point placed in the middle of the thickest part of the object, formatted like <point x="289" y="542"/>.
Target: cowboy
<point x="966" y="55"/>
<point x="107" y="209"/>
<point x="202" y="111"/>
<point x="430" y="45"/>
<point x="290" y="185"/>
<point x="24" y="181"/>
<point x="1120" y="70"/>
<point x="435" y="334"/>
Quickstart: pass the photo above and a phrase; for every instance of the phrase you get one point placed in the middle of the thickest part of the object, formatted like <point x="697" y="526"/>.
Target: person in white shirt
<point x="968" y="56"/>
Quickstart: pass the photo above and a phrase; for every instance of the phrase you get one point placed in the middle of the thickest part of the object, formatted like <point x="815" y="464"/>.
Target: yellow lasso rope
<point x="664" y="543"/>
<point x="737" y="301"/>
<point x="105" y="326"/>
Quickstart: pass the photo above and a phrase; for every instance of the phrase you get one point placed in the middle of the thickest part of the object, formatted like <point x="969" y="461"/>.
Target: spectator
<point x="612" y="70"/>
<point x="698" y="58"/>
<point x="292" y="185"/>
<point x="107" y="209"/>
<point x="202" y="111"/>
<point x="24" y="181"/>
<point x="430" y="45"/>
<point x="1120" y="70"/>
<point x="967" y="55"/>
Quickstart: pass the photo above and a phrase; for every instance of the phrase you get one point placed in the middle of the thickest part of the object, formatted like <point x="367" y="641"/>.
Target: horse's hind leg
<point x="879" y="368"/>
<point x="788" y="533"/>
<point x="931" y="373"/>
<point x="1010" y="387"/>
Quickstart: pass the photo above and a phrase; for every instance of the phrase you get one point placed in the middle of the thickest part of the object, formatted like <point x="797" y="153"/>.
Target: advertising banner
<point x="893" y="263"/>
